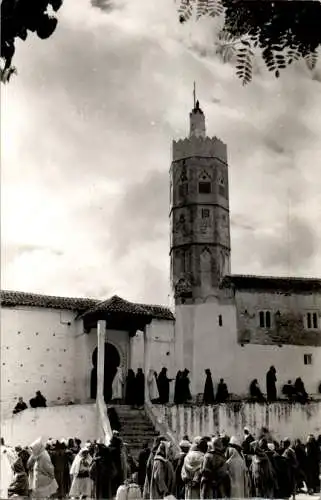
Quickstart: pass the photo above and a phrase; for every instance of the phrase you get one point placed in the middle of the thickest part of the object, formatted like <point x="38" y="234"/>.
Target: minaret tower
<point x="200" y="223"/>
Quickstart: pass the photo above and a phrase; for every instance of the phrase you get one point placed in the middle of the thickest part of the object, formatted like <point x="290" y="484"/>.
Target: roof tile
<point x="10" y="298"/>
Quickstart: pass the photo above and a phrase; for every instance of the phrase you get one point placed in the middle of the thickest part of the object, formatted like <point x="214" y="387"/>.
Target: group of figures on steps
<point x="133" y="387"/>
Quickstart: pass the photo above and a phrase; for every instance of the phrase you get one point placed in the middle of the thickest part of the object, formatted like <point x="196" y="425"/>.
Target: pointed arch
<point x="206" y="268"/>
<point x="204" y="176"/>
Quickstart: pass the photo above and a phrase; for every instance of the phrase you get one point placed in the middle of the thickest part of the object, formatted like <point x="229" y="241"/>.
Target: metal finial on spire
<point x="194" y="94"/>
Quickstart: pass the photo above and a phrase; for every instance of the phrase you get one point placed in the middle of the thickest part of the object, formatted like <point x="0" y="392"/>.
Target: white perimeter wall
<point x="202" y="343"/>
<point x="40" y="351"/>
<point x="282" y="419"/>
<point x="56" y="422"/>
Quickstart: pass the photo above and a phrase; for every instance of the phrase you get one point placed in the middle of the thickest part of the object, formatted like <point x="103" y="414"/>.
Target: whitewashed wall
<point x="282" y="419"/>
<point x="162" y="351"/>
<point x="37" y="353"/>
<point x="41" y="351"/>
<point x="56" y="422"/>
<point x="202" y="343"/>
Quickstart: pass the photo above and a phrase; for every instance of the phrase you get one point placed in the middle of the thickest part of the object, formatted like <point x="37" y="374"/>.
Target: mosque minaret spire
<point x="199" y="213"/>
<point x="197" y="118"/>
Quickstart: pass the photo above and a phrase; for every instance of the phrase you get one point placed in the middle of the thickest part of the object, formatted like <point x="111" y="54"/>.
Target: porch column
<point x="101" y="339"/>
<point x="147" y="348"/>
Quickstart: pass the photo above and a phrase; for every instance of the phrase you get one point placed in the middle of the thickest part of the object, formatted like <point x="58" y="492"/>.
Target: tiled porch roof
<point x="10" y="298"/>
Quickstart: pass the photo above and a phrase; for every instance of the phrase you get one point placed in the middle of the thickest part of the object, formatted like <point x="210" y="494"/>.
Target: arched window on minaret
<point x="185" y="261"/>
<point x="206" y="270"/>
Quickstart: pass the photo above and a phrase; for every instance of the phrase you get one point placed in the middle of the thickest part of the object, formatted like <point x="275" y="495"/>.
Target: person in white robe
<point x="152" y="385"/>
<point x="44" y="483"/>
<point x="82" y="485"/>
<point x="240" y="480"/>
<point x="118" y="385"/>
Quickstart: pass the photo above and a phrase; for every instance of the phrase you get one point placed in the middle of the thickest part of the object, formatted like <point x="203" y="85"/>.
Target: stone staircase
<point x="136" y="428"/>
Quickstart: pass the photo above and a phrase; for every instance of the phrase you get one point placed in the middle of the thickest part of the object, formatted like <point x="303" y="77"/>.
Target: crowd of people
<point x="131" y="389"/>
<point x="205" y="467"/>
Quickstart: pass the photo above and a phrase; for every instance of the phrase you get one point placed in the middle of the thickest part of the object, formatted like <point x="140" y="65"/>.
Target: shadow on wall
<point x="112" y="361"/>
<point x="282" y="418"/>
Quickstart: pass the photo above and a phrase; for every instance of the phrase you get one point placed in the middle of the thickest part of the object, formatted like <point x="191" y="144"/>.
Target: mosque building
<point x="235" y="325"/>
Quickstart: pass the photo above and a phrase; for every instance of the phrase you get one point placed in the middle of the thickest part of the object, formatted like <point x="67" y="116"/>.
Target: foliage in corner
<point x="18" y="18"/>
<point x="282" y="31"/>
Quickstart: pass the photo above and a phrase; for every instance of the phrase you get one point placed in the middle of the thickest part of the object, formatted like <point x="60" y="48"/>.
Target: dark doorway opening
<point x="112" y="361"/>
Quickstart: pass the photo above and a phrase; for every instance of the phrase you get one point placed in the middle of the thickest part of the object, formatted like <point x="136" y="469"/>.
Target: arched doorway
<point x="112" y="361"/>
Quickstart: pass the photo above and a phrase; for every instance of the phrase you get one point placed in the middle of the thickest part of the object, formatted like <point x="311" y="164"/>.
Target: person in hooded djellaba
<point x="82" y="485"/>
<point x="118" y="385"/>
<point x="43" y="484"/>
<point x="152" y="386"/>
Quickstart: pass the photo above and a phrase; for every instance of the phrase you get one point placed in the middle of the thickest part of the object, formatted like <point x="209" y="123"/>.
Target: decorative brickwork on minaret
<point x="199" y="213"/>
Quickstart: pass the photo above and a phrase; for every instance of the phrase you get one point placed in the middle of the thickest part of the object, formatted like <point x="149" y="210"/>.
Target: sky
<point x="86" y="132"/>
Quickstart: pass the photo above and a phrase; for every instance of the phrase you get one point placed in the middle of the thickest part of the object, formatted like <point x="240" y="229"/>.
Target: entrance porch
<point x="116" y="321"/>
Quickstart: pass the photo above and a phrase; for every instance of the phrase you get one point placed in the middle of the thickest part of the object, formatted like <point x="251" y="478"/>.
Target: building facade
<point x="237" y="326"/>
<point x="47" y="344"/>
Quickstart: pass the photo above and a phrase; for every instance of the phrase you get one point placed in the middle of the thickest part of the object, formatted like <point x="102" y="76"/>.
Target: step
<point x="138" y="439"/>
<point x="133" y="417"/>
<point x="137" y="432"/>
<point x="136" y="425"/>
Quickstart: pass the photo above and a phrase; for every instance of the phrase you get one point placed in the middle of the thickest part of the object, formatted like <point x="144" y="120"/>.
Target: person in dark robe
<point x="130" y="388"/>
<point x="271" y="385"/>
<point x="247" y="441"/>
<point x="149" y="466"/>
<point x="61" y="463"/>
<point x="140" y="387"/>
<point x="132" y="465"/>
<point x="185" y="387"/>
<point x="20" y="406"/>
<point x="282" y="476"/>
<point x="290" y="455"/>
<point x="71" y="450"/>
<point x="19" y="485"/>
<point x="178" y="463"/>
<point x="142" y="465"/>
<point x="39" y="401"/>
<point x="113" y="419"/>
<point x="163" y="478"/>
<point x="288" y="390"/>
<point x="300" y="393"/>
<point x="163" y="386"/>
<point x="208" y="397"/>
<point x="24" y="455"/>
<point x="300" y="453"/>
<point x="215" y="480"/>
<point x="115" y="449"/>
<point x="222" y="392"/>
<point x="102" y="472"/>
<point x="255" y="391"/>
<point x="261" y="471"/>
<point x="313" y="457"/>
<point x="77" y="444"/>
<point x="177" y="389"/>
